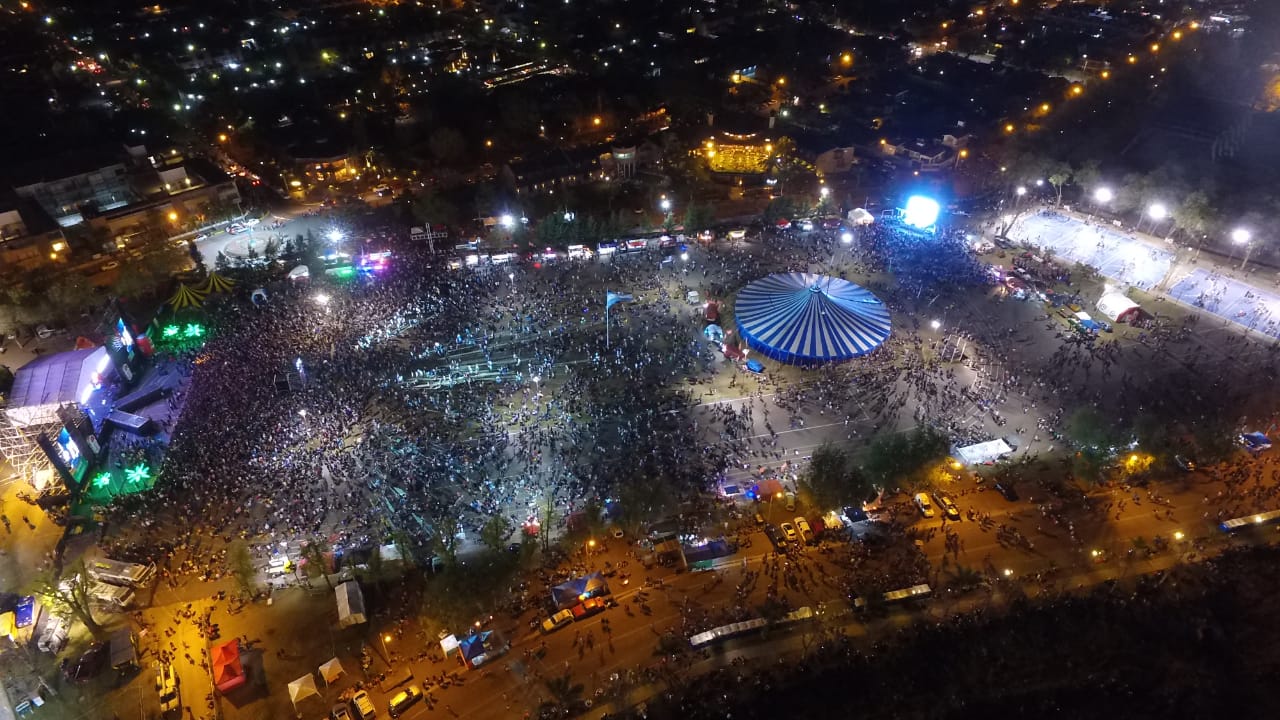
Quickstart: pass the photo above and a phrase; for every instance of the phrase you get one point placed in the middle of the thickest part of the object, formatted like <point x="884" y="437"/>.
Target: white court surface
<point x="1114" y="253"/>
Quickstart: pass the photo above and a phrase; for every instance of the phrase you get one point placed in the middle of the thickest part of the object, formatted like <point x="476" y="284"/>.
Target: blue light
<point x="920" y="212"/>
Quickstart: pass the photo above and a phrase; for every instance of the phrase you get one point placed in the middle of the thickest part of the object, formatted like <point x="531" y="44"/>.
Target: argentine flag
<point x="612" y="298"/>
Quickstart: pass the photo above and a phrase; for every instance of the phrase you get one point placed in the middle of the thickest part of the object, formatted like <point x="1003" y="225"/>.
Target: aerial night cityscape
<point x="614" y="359"/>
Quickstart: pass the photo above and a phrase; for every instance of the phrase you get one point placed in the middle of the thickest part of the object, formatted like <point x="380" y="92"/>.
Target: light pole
<point x="1241" y="236"/>
<point x="1102" y="196"/>
<point x="776" y="496"/>
<point x="385" y="653"/>
<point x="1157" y="212"/>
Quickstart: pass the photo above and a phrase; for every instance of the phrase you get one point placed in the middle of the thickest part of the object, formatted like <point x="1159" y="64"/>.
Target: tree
<point x="563" y="690"/>
<point x="1194" y="215"/>
<point x="271" y="250"/>
<point x="830" y="480"/>
<point x="445" y="542"/>
<point x="241" y="565"/>
<point x="549" y="517"/>
<point x="446" y="144"/>
<point x="1059" y="175"/>
<point x="221" y="263"/>
<point x="429" y="208"/>
<point x="554" y="230"/>
<point x="317" y="564"/>
<point x="899" y="457"/>
<point x="131" y="282"/>
<point x="697" y="217"/>
<point x="70" y="595"/>
<point x="495" y="532"/>
<point x="69" y="296"/>
<point x="778" y="208"/>
<point x="1087" y="428"/>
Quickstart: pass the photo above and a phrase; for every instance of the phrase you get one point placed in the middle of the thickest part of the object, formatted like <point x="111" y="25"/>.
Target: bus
<point x="893" y="596"/>
<point x="114" y="572"/>
<point x="1265" y="518"/>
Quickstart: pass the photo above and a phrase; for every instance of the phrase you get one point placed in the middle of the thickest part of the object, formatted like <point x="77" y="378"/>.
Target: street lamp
<point x="507" y="221"/>
<point x="824" y="191"/>
<point x="385" y="639"/>
<point x="666" y="205"/>
<point x="1022" y="190"/>
<point x="1103" y="195"/>
<point x="1241" y="236"/>
<point x="935" y="324"/>
<point x="335" y="235"/>
<point x="1157" y="212"/>
<point x="846" y="237"/>
<point x="776" y="496"/>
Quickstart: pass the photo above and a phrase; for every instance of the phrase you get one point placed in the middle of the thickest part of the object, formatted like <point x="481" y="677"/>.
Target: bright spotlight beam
<point x="921" y="212"/>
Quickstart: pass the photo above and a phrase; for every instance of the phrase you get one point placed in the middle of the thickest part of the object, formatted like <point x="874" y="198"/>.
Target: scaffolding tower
<point x="18" y="446"/>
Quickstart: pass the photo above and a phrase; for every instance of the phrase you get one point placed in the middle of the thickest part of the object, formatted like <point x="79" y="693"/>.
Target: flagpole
<point x="606" y="324"/>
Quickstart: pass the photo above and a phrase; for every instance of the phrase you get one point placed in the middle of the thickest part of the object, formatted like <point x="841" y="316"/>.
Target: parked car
<point x="363" y="706"/>
<point x="557" y="621"/>
<point x="110" y="266"/>
<point x="790" y="501"/>
<point x="404" y="700"/>
<point x="88" y="665"/>
<point x="589" y="607"/>
<point x="789" y="532"/>
<point x="948" y="506"/>
<point x="1006" y="489"/>
<point x="802" y="525"/>
<point x="923" y="504"/>
<point x="776" y="537"/>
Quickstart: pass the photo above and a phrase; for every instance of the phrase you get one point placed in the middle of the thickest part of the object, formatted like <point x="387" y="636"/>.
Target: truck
<point x="110" y="597"/>
<point x="114" y="572"/>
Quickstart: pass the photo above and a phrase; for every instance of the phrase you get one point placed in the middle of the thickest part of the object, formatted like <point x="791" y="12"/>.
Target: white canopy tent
<point x="859" y="216"/>
<point x="331" y="671"/>
<point x="983" y="452"/>
<point x="1116" y="306"/>
<point x="350" y="604"/>
<point x="303" y="688"/>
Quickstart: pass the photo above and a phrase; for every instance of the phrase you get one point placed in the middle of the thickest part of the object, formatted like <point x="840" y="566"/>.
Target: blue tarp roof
<point x="802" y="318"/>
<point x="566" y="595"/>
<point x="475" y="645"/>
<point x="1256" y="440"/>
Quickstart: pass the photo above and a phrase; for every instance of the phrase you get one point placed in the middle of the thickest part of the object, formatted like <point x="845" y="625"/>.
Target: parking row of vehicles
<point x="581" y="611"/>
<point x="786" y="534"/>
<point x="945" y="504"/>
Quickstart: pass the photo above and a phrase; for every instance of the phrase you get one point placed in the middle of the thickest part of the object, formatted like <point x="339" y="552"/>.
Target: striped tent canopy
<point x="803" y="319"/>
<point x="186" y="297"/>
<point x="217" y="284"/>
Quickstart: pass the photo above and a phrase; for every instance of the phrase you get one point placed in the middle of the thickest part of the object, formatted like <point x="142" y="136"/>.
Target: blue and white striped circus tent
<point x="803" y="319"/>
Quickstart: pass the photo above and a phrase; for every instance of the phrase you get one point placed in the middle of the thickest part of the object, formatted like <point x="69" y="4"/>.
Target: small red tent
<point x="228" y="672"/>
